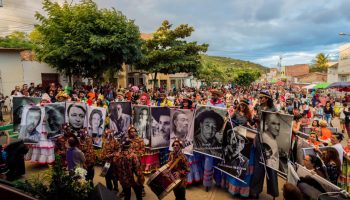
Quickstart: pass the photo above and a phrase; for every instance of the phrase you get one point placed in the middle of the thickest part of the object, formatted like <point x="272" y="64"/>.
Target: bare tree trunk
<point x="154" y="81"/>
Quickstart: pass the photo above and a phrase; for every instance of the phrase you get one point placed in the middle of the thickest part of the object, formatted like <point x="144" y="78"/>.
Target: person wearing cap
<point x="215" y="99"/>
<point x="180" y="168"/>
<point x="127" y="167"/>
<point x="120" y="97"/>
<point x="110" y="149"/>
<point x="242" y="115"/>
<point x="257" y="183"/>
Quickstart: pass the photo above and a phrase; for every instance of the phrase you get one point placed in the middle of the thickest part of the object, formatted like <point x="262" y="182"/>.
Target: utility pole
<point x="0" y="3"/>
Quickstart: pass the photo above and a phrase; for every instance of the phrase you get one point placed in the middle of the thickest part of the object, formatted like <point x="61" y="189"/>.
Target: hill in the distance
<point x="225" y="62"/>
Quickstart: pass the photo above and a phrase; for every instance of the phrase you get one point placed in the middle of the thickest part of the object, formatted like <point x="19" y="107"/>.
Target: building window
<point x="343" y="78"/>
<point x="141" y="81"/>
<point x="131" y="81"/>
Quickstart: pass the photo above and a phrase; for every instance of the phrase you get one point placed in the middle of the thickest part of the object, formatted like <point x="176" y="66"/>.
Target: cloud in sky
<point x="255" y="30"/>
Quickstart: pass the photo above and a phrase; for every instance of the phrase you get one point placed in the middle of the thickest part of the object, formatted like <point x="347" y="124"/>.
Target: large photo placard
<point x="237" y="145"/>
<point x="120" y="118"/>
<point x="160" y="131"/>
<point x="17" y="110"/>
<point x="181" y="125"/>
<point x="76" y="115"/>
<point x="31" y="123"/>
<point x="276" y="132"/>
<point x="54" y="119"/>
<point x="208" y="130"/>
<point x="142" y="123"/>
<point x="96" y="124"/>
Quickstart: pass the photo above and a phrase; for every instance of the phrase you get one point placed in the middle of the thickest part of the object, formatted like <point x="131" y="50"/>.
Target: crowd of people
<point x="127" y="160"/>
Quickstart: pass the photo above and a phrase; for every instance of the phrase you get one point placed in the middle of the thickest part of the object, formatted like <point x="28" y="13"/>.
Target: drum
<point x="162" y="182"/>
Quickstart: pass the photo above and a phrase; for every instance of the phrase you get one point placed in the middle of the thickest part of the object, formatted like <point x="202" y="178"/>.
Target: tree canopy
<point x="246" y="77"/>
<point x="168" y="52"/>
<point x="83" y="40"/>
<point x="320" y="63"/>
<point x="16" y="39"/>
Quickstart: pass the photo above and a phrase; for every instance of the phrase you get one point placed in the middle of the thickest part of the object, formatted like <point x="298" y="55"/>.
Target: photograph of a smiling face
<point x="76" y="115"/>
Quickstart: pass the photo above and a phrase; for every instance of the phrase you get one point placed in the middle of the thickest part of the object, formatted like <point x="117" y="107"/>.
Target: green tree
<point x="320" y="63"/>
<point x="246" y="77"/>
<point x="168" y="52"/>
<point x="210" y="73"/>
<point x="16" y="39"/>
<point x="83" y="40"/>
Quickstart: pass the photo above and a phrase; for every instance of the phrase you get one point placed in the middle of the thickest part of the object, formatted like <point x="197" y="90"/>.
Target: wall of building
<point x="32" y="71"/>
<point x="332" y="75"/>
<point x="11" y="71"/>
<point x="344" y="59"/>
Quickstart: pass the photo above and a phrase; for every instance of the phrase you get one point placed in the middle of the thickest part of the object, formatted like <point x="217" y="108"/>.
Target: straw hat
<point x="323" y="123"/>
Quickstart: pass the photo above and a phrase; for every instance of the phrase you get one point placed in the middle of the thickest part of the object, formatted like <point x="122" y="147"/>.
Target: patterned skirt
<point x="208" y="171"/>
<point x="42" y="153"/>
<point x="233" y="185"/>
<point x="196" y="168"/>
<point x="150" y="161"/>
<point x="344" y="178"/>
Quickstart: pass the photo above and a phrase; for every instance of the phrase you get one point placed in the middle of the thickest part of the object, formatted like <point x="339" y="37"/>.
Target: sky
<point x="259" y="31"/>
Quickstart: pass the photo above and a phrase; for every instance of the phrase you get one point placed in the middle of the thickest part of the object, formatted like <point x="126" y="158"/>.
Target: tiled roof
<point x="146" y="36"/>
<point x="27" y="55"/>
<point x="296" y="70"/>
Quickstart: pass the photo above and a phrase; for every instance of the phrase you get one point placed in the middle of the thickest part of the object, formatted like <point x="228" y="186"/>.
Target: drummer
<point x="180" y="168"/>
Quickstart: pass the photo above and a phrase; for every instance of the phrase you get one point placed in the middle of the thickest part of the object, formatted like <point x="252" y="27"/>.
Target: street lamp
<point x="343" y="34"/>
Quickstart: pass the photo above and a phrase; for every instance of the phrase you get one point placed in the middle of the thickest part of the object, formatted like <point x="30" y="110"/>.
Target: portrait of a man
<point x="276" y="131"/>
<point x="142" y="123"/>
<point x="76" y="115"/>
<point x="120" y="118"/>
<point x="160" y="136"/>
<point x="234" y="162"/>
<point x="18" y="105"/>
<point x="208" y="131"/>
<point x="31" y="119"/>
<point x="54" y="117"/>
<point x="181" y="122"/>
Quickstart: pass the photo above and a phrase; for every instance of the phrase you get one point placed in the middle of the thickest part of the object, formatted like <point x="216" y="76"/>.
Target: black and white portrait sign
<point x="236" y="151"/>
<point x="76" y="114"/>
<point x="160" y="131"/>
<point x="142" y="123"/>
<point x="208" y="130"/>
<point x="31" y="124"/>
<point x="96" y="124"/>
<point x="120" y="117"/>
<point x="276" y="132"/>
<point x="54" y="119"/>
<point x="181" y="124"/>
<point x="17" y="110"/>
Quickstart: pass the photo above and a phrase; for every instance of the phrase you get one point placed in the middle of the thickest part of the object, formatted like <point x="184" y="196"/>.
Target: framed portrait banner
<point x="17" y="110"/>
<point x="120" y="118"/>
<point x="142" y="123"/>
<point x="276" y="133"/>
<point x="76" y="114"/>
<point x="181" y="121"/>
<point x="236" y="149"/>
<point x="208" y="129"/>
<point x="96" y="124"/>
<point x="54" y="119"/>
<point x="31" y="124"/>
<point x="160" y="127"/>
